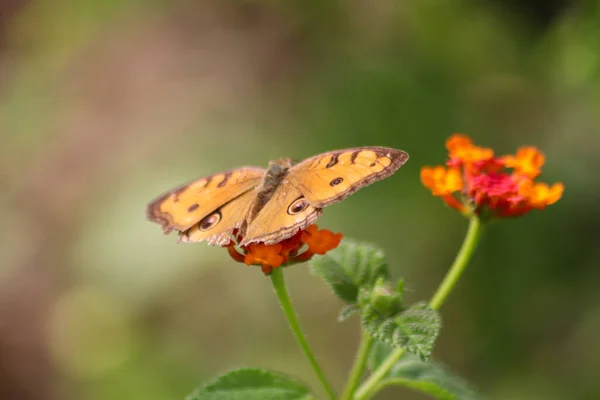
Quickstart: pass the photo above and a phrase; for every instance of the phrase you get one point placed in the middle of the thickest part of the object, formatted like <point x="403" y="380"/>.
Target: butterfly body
<point x="270" y="205"/>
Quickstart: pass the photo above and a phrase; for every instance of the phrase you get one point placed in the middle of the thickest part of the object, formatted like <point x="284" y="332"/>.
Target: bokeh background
<point x="105" y="104"/>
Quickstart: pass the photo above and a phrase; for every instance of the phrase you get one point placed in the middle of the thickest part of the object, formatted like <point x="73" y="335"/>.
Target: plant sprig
<point x="397" y="339"/>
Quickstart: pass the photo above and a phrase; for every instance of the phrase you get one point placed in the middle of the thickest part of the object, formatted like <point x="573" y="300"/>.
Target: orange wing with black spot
<point x="330" y="177"/>
<point x="186" y="206"/>
<point x="270" y="210"/>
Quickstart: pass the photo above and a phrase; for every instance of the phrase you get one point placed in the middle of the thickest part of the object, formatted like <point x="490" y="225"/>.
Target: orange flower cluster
<point x="270" y="256"/>
<point x="474" y="180"/>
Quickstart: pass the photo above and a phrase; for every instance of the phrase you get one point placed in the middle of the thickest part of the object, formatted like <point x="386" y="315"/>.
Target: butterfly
<point x="270" y="205"/>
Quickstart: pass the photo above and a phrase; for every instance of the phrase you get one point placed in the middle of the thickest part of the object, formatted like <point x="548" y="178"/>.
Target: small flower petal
<point x="320" y="241"/>
<point x="461" y="150"/>
<point x="264" y="254"/>
<point x="541" y="195"/>
<point x="528" y="161"/>
<point x="458" y="142"/>
<point x="441" y="181"/>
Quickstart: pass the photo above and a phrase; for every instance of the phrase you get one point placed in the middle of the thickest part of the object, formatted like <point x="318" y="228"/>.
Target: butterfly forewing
<point x="183" y="207"/>
<point x="331" y="177"/>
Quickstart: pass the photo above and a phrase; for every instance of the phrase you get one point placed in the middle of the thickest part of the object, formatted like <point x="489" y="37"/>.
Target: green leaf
<point x="414" y="329"/>
<point x="252" y="384"/>
<point x="428" y="377"/>
<point x="349" y="267"/>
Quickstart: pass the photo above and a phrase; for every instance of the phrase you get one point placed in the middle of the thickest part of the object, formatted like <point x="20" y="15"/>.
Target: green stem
<point x="366" y="341"/>
<point x="460" y="263"/>
<point x="290" y="315"/>
<point x="370" y="386"/>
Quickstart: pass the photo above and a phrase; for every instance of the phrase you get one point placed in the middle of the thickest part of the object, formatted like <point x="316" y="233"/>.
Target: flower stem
<point x="460" y="263"/>
<point x="290" y="315"/>
<point x="369" y="387"/>
<point x="366" y="341"/>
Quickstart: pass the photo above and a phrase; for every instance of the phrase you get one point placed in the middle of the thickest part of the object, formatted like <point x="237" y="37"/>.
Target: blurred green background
<point x="105" y="104"/>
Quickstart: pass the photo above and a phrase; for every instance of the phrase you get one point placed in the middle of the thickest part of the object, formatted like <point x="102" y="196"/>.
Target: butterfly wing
<point x="217" y="227"/>
<point x="212" y="208"/>
<point x="331" y="177"/>
<point x="191" y="204"/>
<point x="286" y="212"/>
<point x="318" y="182"/>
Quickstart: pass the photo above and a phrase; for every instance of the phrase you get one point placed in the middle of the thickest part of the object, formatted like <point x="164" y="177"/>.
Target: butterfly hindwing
<point x="286" y="212"/>
<point x="218" y="226"/>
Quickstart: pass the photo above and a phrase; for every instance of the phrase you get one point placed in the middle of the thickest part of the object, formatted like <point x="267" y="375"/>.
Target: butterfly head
<point x="280" y="167"/>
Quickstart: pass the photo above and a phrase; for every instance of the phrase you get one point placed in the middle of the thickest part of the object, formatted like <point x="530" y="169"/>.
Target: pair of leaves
<point x="252" y="384"/>
<point x="355" y="272"/>
<point x="259" y="384"/>
<point x="427" y="377"/>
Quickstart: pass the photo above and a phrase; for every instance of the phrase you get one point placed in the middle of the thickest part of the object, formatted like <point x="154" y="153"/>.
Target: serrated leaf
<point x="252" y="384"/>
<point x="414" y="329"/>
<point x="349" y="267"/>
<point x="428" y="377"/>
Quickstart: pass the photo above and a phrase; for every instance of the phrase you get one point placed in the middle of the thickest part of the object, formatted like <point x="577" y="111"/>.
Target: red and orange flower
<point x="269" y="256"/>
<point x="475" y="181"/>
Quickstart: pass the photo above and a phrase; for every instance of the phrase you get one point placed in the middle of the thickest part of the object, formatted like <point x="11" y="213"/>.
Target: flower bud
<point x="385" y="299"/>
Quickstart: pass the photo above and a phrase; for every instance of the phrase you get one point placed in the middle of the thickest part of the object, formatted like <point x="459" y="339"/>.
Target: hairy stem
<point x="366" y="341"/>
<point x="371" y="385"/>
<point x="460" y="263"/>
<point x="292" y="319"/>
